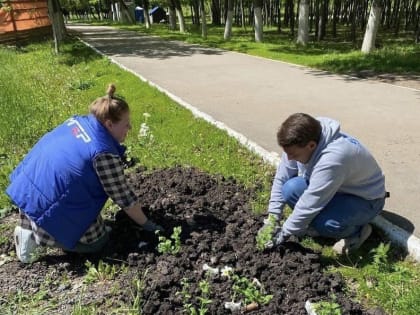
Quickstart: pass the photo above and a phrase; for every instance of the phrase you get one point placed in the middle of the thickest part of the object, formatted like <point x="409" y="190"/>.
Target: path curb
<point x="397" y="235"/>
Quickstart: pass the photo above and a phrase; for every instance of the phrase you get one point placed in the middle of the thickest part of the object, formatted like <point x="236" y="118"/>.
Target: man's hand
<point x="151" y="226"/>
<point x="278" y="239"/>
<point x="272" y="221"/>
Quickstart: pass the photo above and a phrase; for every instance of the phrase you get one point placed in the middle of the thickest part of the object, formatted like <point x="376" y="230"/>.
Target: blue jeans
<point x="342" y="217"/>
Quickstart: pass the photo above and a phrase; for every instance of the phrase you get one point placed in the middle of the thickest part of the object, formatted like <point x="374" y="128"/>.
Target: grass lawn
<point x="35" y="99"/>
<point x="396" y="55"/>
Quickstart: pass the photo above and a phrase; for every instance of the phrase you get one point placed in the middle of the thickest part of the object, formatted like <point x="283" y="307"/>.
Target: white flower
<point x="226" y="271"/>
<point x="233" y="306"/>
<point x="211" y="270"/>
<point x="256" y="282"/>
<point x="144" y="130"/>
<point x="146" y="115"/>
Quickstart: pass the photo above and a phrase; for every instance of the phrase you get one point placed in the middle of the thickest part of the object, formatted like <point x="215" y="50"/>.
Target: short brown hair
<point x="109" y="107"/>
<point x="298" y="129"/>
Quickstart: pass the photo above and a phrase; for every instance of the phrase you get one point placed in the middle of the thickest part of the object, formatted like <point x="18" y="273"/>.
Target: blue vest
<point x="56" y="184"/>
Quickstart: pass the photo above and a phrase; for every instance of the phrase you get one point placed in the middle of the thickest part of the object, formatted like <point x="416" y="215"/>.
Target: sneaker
<point x="25" y="245"/>
<point x="347" y="245"/>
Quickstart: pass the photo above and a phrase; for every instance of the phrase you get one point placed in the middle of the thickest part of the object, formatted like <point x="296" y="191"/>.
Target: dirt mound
<point x="218" y="229"/>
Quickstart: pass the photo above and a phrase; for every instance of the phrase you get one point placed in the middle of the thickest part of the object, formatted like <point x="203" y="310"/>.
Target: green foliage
<point x="398" y="54"/>
<point x="382" y="280"/>
<point x="380" y="257"/>
<point x="250" y="291"/>
<point x="36" y="99"/>
<point x="203" y="299"/>
<point x="171" y="245"/>
<point x="265" y="234"/>
<point x="136" y="295"/>
<point x="330" y="307"/>
<point x="102" y="272"/>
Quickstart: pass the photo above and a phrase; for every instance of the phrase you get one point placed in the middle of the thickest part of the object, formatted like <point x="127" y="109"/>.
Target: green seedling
<point x="171" y="245"/>
<point x="203" y="300"/>
<point x="380" y="255"/>
<point x="265" y="235"/>
<point x="327" y="307"/>
<point x="102" y="272"/>
<point x="249" y="291"/>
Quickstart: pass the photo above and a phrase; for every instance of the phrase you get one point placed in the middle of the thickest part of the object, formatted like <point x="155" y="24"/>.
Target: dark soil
<point x="218" y="229"/>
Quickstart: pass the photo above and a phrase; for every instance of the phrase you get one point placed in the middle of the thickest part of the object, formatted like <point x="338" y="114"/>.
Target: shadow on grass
<point x="380" y="62"/>
<point x="74" y="52"/>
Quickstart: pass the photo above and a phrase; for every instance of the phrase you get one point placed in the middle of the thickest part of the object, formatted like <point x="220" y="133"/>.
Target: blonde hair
<point x="109" y="107"/>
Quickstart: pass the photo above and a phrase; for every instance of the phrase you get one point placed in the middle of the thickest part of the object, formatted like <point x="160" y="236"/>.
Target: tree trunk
<point x="203" y="20"/>
<point x="372" y="27"/>
<point x="127" y="16"/>
<point x="417" y="30"/>
<point x="322" y="23"/>
<point x="146" y="14"/>
<point x="258" y="22"/>
<point x="57" y="23"/>
<point x="303" y="30"/>
<point x="216" y="16"/>
<point x="180" y="16"/>
<point x="336" y="10"/>
<point x="172" y="15"/>
<point x="242" y="14"/>
<point x="229" y="17"/>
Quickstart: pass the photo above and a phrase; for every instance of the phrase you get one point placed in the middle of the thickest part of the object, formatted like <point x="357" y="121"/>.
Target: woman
<point x="63" y="183"/>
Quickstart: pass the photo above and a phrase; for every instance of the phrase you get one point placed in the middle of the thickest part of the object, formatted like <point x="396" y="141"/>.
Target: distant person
<point x="66" y="14"/>
<point x="64" y="181"/>
<point x="330" y="180"/>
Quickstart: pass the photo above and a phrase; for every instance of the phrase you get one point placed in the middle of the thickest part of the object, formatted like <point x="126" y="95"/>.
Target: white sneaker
<point x="347" y="245"/>
<point x="25" y="245"/>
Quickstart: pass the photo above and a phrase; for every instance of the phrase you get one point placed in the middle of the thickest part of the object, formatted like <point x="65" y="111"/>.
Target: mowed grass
<point x="42" y="90"/>
<point x="395" y="54"/>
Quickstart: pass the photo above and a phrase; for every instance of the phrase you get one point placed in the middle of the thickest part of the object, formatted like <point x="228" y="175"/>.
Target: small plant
<point x="380" y="255"/>
<point x="186" y="296"/>
<point x="145" y="136"/>
<point x="327" y="307"/>
<point x="204" y="299"/>
<point x="172" y="245"/>
<point x="265" y="235"/>
<point x="102" y="272"/>
<point x="251" y="291"/>
<point x="136" y="292"/>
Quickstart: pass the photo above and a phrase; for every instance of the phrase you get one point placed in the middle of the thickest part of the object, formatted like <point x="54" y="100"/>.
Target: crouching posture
<point x="330" y="180"/>
<point x="62" y="184"/>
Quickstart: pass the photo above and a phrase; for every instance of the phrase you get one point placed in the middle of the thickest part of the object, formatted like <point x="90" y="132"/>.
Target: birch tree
<point x="180" y="16"/>
<point x="258" y="20"/>
<point x="372" y="26"/>
<point x="146" y="14"/>
<point x="303" y="30"/>
<point x="203" y="19"/>
<point x="229" y="18"/>
<point x="57" y="23"/>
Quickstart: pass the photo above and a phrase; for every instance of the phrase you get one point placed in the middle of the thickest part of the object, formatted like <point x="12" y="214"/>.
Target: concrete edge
<point x="397" y="235"/>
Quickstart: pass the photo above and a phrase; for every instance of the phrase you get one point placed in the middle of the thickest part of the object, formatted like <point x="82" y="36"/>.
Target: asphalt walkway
<point x="251" y="96"/>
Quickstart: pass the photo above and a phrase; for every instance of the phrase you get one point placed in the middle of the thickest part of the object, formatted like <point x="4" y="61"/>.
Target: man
<point x="330" y="180"/>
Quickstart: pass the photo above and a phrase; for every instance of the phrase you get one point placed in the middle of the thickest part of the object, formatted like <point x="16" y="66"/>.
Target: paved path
<point x="254" y="95"/>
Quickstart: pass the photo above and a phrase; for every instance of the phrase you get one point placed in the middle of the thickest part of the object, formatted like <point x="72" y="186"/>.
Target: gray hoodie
<point x="339" y="163"/>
